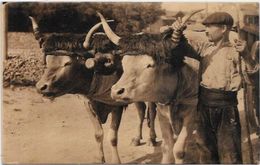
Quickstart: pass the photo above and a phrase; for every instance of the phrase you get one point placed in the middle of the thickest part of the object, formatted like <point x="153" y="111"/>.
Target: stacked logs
<point x="22" y="70"/>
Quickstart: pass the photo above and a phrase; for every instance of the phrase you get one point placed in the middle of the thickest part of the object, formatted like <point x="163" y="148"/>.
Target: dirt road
<point x="37" y="130"/>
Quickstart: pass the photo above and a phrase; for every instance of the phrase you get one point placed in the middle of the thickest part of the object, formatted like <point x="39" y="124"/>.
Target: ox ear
<point x="92" y="52"/>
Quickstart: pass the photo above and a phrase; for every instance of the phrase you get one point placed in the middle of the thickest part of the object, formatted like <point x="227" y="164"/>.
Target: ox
<point x="154" y="70"/>
<point x="65" y="57"/>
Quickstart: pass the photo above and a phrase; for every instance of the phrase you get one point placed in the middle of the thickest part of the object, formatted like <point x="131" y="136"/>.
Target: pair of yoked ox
<point x="139" y="67"/>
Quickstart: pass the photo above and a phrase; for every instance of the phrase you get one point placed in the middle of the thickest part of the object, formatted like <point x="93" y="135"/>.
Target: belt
<point x="215" y="97"/>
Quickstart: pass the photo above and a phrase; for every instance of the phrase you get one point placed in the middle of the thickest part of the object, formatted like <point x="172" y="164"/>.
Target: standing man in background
<point x="219" y="129"/>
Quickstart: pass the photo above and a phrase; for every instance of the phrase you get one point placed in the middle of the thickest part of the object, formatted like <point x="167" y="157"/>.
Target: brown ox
<point x="65" y="56"/>
<point x="153" y="70"/>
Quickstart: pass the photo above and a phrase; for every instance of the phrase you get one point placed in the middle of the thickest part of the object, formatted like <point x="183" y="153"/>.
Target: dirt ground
<point x="38" y="130"/>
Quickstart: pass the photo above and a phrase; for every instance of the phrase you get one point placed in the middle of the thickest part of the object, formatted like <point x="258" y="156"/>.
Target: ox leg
<point x="186" y="131"/>
<point x="167" y="134"/>
<point x="151" y="124"/>
<point x="179" y="146"/>
<point x="99" y="133"/>
<point x="113" y="134"/>
<point x="140" y="106"/>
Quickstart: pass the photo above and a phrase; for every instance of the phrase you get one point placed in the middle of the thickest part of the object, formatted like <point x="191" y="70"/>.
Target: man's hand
<point x="178" y="26"/>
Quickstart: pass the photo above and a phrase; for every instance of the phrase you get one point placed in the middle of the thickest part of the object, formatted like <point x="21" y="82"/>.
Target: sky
<point x="179" y="6"/>
<point x="231" y="8"/>
<point x="188" y="6"/>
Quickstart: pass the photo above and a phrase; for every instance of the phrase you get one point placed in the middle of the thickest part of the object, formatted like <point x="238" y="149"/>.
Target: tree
<point x="80" y="17"/>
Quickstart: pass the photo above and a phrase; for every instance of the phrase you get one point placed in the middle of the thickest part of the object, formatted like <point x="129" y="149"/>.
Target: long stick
<point x="3" y="22"/>
<point x="244" y="85"/>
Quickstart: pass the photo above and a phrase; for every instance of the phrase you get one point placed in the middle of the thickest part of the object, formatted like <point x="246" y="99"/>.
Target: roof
<point x="251" y="29"/>
<point x="249" y="12"/>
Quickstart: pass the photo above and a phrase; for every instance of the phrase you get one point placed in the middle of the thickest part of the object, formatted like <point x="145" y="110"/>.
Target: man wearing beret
<point x="219" y="129"/>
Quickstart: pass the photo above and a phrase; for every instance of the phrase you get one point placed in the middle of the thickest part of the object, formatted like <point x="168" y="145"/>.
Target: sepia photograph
<point x="130" y="82"/>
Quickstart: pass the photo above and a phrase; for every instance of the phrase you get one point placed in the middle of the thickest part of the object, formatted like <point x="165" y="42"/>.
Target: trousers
<point x="218" y="128"/>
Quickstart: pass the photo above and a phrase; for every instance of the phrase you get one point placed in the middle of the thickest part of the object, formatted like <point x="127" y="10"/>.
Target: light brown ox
<point x="159" y="76"/>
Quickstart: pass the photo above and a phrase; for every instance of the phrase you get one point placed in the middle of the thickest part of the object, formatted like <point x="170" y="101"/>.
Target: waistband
<point x="215" y="97"/>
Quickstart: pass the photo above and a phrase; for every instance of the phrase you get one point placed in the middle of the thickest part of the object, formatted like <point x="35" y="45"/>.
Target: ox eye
<point x="149" y="66"/>
<point x="67" y="63"/>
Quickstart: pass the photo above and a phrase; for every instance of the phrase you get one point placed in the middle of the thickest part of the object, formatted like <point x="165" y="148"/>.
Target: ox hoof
<point x="151" y="142"/>
<point x="100" y="160"/>
<point x="179" y="157"/>
<point x="136" y="142"/>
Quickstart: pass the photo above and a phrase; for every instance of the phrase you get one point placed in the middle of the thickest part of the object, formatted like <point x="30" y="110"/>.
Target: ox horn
<point x="36" y="29"/>
<point x="187" y="17"/>
<point x="34" y="24"/>
<point x="110" y="34"/>
<point x="90" y="32"/>
<point x="177" y="34"/>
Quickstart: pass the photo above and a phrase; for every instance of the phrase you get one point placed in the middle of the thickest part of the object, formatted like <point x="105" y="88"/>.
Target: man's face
<point x="214" y="32"/>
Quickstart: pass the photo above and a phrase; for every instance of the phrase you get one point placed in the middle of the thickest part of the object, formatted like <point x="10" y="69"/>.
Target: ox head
<point x="150" y="63"/>
<point x="65" y="56"/>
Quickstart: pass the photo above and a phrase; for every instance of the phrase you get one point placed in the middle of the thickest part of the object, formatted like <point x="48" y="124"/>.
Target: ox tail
<point x="151" y="113"/>
<point x="148" y="118"/>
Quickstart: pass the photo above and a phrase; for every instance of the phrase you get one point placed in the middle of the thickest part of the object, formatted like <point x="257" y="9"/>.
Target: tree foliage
<point x="80" y="17"/>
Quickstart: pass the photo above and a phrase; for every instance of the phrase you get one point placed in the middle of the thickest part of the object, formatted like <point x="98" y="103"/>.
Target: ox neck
<point x="84" y="80"/>
<point x="168" y="80"/>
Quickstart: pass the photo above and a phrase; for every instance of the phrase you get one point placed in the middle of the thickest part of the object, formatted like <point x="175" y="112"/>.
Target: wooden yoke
<point x="100" y="59"/>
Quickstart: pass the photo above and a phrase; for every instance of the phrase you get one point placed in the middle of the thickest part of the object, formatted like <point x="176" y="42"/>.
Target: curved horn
<point x="187" y="17"/>
<point x="176" y="35"/>
<point x="34" y="23"/>
<point x="90" y="32"/>
<point x="36" y="29"/>
<point x="110" y="34"/>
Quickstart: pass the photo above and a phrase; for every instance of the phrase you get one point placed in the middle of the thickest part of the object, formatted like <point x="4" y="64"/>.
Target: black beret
<point x="221" y="18"/>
